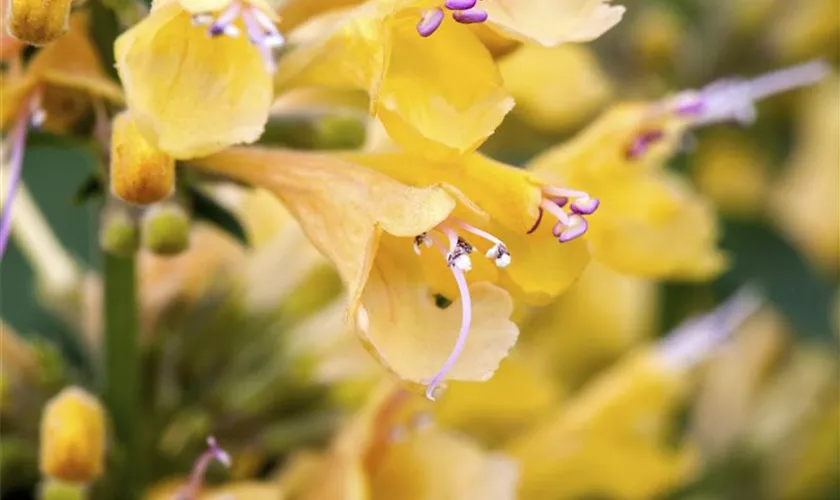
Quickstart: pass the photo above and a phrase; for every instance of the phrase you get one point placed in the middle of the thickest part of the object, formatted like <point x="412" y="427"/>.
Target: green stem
<point x="122" y="367"/>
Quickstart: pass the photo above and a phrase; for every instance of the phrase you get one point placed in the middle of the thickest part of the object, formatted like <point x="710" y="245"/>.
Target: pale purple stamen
<point x="466" y="320"/>
<point x="642" y="143"/>
<point x="585" y="206"/>
<point x="577" y="228"/>
<point x="697" y="337"/>
<point x="227" y="16"/>
<point x="430" y="22"/>
<point x="734" y="99"/>
<point x="460" y="4"/>
<point x="213" y="452"/>
<point x="470" y="16"/>
<point x="261" y="30"/>
<point x="558" y="213"/>
<point x="15" y="165"/>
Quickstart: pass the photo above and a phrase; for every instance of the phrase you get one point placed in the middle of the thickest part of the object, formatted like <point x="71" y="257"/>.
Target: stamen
<point x="498" y="252"/>
<point x="696" y="338"/>
<point x="473" y="16"/>
<point x="642" y="143"/>
<point x="227" y="16"/>
<point x="459" y="250"/>
<point x="15" y="165"/>
<point x="538" y="221"/>
<point x="262" y="32"/>
<point x="734" y="99"/>
<point x="466" y="320"/>
<point x="569" y="225"/>
<point x="213" y="452"/>
<point x="430" y="22"/>
<point x="460" y="4"/>
<point x="421" y="239"/>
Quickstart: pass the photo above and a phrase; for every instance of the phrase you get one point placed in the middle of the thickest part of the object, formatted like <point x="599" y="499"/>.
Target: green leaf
<point x="92" y="188"/>
<point x="763" y="257"/>
<point x="207" y="209"/>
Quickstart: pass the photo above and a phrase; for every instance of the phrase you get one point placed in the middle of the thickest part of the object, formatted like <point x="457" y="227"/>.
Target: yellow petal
<point x="611" y="440"/>
<point x="413" y="337"/>
<point x="650" y="222"/>
<point x="518" y="396"/>
<point x="74" y="63"/>
<point x="343" y="208"/>
<point x="542" y="79"/>
<point x="191" y="94"/>
<point x="436" y="465"/>
<point x="608" y="311"/>
<point x="440" y="95"/>
<point x="552" y="22"/>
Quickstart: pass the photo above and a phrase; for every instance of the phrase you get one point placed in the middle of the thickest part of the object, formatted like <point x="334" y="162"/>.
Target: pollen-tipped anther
<point x="585" y="206"/>
<point x="473" y="16"/>
<point x="430" y="22"/>
<point x="577" y="227"/>
<point x="213" y="452"/>
<point x="421" y="240"/>
<point x="500" y="254"/>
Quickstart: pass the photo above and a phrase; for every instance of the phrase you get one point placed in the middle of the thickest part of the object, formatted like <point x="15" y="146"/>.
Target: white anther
<point x="232" y="31"/>
<point x="461" y="260"/>
<point x="202" y="19"/>
<point x="500" y="254"/>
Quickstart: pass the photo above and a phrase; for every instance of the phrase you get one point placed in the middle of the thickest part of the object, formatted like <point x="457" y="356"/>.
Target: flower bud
<point x="73" y="437"/>
<point x="140" y="172"/>
<point x="58" y="490"/>
<point x="38" y="22"/>
<point x="119" y="233"/>
<point x="166" y="229"/>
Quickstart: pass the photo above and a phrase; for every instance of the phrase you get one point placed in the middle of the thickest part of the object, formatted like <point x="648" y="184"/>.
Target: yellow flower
<point x="376" y="456"/>
<point x="140" y="173"/>
<point x="73" y="437"/>
<point x="508" y="201"/>
<point x="441" y="95"/>
<point x="805" y="197"/>
<point x="650" y="223"/>
<point x="611" y="440"/>
<point x="38" y="22"/>
<point x="192" y="94"/>
<point x="542" y="79"/>
<point x="366" y="223"/>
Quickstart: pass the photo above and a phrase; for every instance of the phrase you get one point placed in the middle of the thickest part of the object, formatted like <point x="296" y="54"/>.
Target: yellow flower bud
<point x="38" y="22"/>
<point x="140" y="172"/>
<point x="73" y="437"/>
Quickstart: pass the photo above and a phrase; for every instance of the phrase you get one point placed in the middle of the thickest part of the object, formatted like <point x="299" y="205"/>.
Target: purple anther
<point x="577" y="228"/>
<point x="470" y="16"/>
<point x="216" y="29"/>
<point x="430" y="22"/>
<point x="642" y="142"/>
<point x="557" y="229"/>
<point x="460" y="4"/>
<point x="560" y="201"/>
<point x="585" y="206"/>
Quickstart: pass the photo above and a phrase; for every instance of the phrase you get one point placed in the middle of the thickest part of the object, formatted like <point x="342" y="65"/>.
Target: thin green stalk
<point x="121" y="380"/>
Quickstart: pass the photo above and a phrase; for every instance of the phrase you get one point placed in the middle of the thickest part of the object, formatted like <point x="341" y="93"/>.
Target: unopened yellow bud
<point x="38" y="22"/>
<point x="73" y="437"/>
<point x="140" y="172"/>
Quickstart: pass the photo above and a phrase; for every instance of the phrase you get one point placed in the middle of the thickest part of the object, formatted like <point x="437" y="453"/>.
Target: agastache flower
<point x="197" y="73"/>
<point x="652" y="223"/>
<point x="367" y="223"/>
<point x="508" y="206"/>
